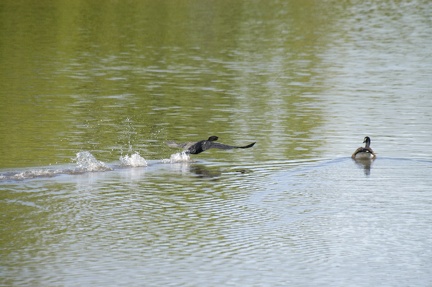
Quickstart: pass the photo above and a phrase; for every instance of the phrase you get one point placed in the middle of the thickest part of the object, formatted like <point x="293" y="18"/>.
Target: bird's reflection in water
<point x="204" y="171"/>
<point x="366" y="164"/>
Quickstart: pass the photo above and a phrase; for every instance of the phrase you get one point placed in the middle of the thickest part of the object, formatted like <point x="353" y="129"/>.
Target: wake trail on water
<point x="85" y="162"/>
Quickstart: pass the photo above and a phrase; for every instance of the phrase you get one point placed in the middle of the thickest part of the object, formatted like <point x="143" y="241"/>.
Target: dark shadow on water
<point x="203" y="171"/>
<point x="207" y="171"/>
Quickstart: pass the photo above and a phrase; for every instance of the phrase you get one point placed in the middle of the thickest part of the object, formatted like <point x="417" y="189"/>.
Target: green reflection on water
<point x="104" y="76"/>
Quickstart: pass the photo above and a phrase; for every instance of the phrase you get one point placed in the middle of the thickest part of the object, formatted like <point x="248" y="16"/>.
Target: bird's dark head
<point x="213" y="138"/>
<point x="367" y="141"/>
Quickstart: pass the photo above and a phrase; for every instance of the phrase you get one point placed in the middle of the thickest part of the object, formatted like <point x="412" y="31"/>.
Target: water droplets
<point x="134" y="160"/>
<point x="178" y="157"/>
<point x="87" y="162"/>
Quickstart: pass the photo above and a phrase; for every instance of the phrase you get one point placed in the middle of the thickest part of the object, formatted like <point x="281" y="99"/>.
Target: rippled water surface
<point x="91" y="195"/>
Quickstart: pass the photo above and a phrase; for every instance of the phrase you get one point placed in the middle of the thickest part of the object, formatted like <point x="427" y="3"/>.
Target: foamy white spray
<point x="134" y="160"/>
<point x="87" y="162"/>
<point x="178" y="157"/>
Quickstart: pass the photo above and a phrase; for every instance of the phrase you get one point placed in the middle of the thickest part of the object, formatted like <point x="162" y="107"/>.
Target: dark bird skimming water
<point x="199" y="147"/>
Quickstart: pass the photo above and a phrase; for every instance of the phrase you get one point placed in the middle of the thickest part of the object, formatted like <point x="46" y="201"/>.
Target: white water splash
<point x="178" y="157"/>
<point x="87" y="162"/>
<point x="134" y="160"/>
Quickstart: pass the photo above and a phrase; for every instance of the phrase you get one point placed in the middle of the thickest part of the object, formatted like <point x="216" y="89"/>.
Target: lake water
<point x="91" y="91"/>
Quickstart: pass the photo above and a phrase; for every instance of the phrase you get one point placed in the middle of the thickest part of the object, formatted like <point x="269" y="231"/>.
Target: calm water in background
<point x="306" y="80"/>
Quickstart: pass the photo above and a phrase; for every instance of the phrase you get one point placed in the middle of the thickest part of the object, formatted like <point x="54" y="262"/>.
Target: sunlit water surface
<point x="91" y="195"/>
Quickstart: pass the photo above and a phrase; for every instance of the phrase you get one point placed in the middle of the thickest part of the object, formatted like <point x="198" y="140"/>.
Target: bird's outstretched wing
<point x="184" y="146"/>
<point x="224" y="146"/>
<point x="199" y="147"/>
